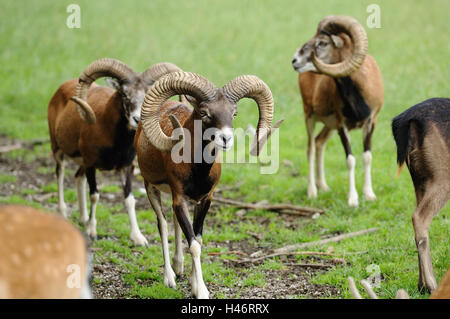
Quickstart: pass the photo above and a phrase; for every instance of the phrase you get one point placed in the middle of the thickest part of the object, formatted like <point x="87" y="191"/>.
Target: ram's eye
<point x="204" y="114"/>
<point x="322" y="43"/>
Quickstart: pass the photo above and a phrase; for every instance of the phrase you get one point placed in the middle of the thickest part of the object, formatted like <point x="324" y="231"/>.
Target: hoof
<point x="426" y="288"/>
<point x="312" y="192"/>
<point x="178" y="266"/>
<point x="169" y="278"/>
<point x="323" y="187"/>
<point x="64" y="211"/>
<point x="370" y="197"/>
<point x="202" y="292"/>
<point x="91" y="231"/>
<point x="138" y="239"/>
<point x="84" y="221"/>
<point x="353" y="201"/>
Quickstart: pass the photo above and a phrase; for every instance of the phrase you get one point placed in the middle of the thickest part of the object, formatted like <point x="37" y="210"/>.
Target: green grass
<point x="221" y="40"/>
<point x="7" y="179"/>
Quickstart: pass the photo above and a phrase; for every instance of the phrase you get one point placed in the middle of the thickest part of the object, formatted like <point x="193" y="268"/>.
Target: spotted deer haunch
<point x="215" y="108"/>
<point x="422" y="135"/>
<point x="341" y="86"/>
<point x="42" y="256"/>
<point x="95" y="126"/>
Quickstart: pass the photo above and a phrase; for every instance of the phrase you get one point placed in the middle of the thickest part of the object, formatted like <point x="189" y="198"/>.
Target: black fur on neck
<point x="122" y="153"/>
<point x="199" y="182"/>
<point x="355" y="107"/>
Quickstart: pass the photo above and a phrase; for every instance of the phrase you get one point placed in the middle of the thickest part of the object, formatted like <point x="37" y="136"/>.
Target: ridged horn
<point x="250" y="86"/>
<point x="153" y="73"/>
<point x="177" y="83"/>
<point x="97" y="69"/>
<point x="349" y="25"/>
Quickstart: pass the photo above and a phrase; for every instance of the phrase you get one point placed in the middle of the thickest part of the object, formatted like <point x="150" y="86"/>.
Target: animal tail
<point x="400" y="130"/>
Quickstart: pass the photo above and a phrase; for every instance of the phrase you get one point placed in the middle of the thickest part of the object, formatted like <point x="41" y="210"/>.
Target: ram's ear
<point x="114" y="83"/>
<point x="192" y="100"/>
<point x="337" y="41"/>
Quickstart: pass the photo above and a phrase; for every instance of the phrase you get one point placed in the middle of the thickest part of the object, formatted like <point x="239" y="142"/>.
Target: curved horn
<point x="178" y="83"/>
<point x="97" y="69"/>
<point x="251" y="86"/>
<point x="333" y="25"/>
<point x="153" y="73"/>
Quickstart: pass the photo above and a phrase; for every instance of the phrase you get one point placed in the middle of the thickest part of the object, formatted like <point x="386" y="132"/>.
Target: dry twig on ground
<point x="278" y="208"/>
<point x="334" y="239"/>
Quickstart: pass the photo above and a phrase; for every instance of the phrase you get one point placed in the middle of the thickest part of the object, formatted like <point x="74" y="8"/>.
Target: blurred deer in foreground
<point x="42" y="256"/>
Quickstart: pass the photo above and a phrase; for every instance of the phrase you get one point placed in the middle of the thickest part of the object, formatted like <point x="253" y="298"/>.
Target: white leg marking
<point x="198" y="286"/>
<point x="178" y="258"/>
<point x="194" y="284"/>
<point x="353" y="194"/>
<point x="367" y="189"/>
<point x="135" y="235"/>
<point x="91" y="228"/>
<point x="321" y="182"/>
<point x="82" y="205"/>
<point x="312" y="188"/>
<point x="320" y="167"/>
<point x="199" y="239"/>
<point x="169" y="274"/>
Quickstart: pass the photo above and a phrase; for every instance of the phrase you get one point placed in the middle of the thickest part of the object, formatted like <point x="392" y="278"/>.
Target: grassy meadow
<point x="221" y="40"/>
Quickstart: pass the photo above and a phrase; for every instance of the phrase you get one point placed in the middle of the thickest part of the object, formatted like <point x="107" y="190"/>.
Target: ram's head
<point x="338" y="48"/>
<point x="215" y="107"/>
<point x="131" y="86"/>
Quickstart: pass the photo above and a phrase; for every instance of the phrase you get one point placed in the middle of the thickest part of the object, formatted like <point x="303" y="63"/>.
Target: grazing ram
<point x="42" y="256"/>
<point x="422" y="135"/>
<point x="96" y="127"/>
<point x="195" y="177"/>
<point x="341" y="86"/>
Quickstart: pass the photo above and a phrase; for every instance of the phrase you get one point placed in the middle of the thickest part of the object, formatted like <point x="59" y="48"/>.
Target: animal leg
<point x="431" y="203"/>
<point x="94" y="197"/>
<point x="130" y="203"/>
<point x="155" y="200"/>
<point x="62" y="207"/>
<point x="351" y="163"/>
<point x="321" y="141"/>
<point x="80" y="179"/>
<point x="199" y="289"/>
<point x="367" y="161"/>
<point x="200" y="211"/>
<point x="312" y="188"/>
<point x="178" y="258"/>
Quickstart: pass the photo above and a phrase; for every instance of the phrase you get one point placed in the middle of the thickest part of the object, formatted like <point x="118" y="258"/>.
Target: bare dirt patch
<point x="109" y="283"/>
